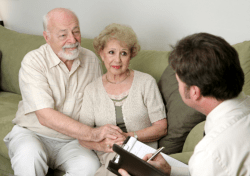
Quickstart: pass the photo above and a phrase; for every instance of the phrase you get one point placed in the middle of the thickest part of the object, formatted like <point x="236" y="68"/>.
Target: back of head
<point x="210" y="63"/>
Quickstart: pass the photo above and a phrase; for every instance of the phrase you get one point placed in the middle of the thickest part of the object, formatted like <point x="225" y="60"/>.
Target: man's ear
<point x="46" y="36"/>
<point x="195" y="92"/>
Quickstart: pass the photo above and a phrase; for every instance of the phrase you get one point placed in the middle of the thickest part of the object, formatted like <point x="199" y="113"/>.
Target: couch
<point x="13" y="47"/>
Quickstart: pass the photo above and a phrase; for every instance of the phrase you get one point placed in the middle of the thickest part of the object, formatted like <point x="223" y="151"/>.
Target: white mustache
<point x="71" y="45"/>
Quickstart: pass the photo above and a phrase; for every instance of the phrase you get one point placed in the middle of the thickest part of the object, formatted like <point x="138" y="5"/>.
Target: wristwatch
<point x="135" y="135"/>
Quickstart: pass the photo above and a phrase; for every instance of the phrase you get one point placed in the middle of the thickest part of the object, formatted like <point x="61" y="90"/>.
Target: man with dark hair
<point x="210" y="80"/>
<point x="210" y="63"/>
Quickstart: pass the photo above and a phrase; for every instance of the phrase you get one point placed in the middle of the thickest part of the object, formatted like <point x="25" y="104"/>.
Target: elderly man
<point x="210" y="80"/>
<point x="52" y="80"/>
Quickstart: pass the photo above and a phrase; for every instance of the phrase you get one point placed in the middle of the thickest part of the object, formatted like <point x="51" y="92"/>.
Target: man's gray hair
<point x="45" y="22"/>
<point x="47" y="16"/>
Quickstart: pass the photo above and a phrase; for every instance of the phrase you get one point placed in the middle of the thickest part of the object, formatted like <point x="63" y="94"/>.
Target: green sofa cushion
<point x="243" y="50"/>
<point x="0" y="66"/>
<point x="8" y="103"/>
<point x="151" y="62"/>
<point x="181" y="118"/>
<point x="5" y="167"/>
<point x="14" y="46"/>
<point x="183" y="157"/>
<point x="194" y="137"/>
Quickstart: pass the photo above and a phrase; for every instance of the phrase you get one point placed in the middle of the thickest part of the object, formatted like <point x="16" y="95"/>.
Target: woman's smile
<point x="116" y="67"/>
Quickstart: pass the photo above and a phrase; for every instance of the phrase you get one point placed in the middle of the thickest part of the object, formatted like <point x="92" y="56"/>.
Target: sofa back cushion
<point x="243" y="50"/>
<point x="14" y="46"/>
<point x="151" y="62"/>
<point x="0" y="65"/>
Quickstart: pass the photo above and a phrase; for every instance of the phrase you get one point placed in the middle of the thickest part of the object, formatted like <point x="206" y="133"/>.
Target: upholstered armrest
<point x="5" y="166"/>
<point x="183" y="157"/>
<point x="195" y="135"/>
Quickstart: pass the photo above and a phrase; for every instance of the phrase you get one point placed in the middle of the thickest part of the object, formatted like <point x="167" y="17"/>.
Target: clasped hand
<point x="107" y="144"/>
<point x="106" y="131"/>
<point x="107" y="136"/>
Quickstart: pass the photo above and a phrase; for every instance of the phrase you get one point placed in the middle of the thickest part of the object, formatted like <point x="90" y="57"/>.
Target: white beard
<point x="71" y="55"/>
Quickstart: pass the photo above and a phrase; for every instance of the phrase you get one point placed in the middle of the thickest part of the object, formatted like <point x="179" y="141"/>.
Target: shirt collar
<point x="54" y="60"/>
<point x="217" y="115"/>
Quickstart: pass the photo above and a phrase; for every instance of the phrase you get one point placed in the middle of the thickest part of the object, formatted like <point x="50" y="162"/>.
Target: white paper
<point x="140" y="150"/>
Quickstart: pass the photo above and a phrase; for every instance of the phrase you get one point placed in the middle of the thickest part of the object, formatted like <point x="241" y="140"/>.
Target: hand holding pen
<point x="158" y="161"/>
<point x="155" y="154"/>
<point x="154" y="159"/>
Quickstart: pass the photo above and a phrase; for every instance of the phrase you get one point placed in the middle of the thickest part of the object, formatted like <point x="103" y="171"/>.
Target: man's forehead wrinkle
<point x="59" y="18"/>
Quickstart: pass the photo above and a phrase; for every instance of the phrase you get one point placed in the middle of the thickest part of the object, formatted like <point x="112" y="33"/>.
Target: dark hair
<point x="210" y="63"/>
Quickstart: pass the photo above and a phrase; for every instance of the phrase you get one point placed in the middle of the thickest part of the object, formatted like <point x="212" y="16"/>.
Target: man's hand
<point x="123" y="172"/>
<point x="107" y="131"/>
<point x="159" y="162"/>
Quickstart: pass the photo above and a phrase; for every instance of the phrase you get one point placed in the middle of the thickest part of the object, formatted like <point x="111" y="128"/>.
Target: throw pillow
<point x="181" y="118"/>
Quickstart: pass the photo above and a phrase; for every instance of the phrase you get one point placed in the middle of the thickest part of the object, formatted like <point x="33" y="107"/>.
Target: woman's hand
<point x="152" y="133"/>
<point x="107" y="144"/>
<point x="106" y="131"/>
<point x="127" y="134"/>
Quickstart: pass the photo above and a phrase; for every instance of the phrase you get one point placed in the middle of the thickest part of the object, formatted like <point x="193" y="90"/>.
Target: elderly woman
<point x="127" y="98"/>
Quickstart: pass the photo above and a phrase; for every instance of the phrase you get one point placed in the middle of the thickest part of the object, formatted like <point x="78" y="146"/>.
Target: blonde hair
<point x="122" y="33"/>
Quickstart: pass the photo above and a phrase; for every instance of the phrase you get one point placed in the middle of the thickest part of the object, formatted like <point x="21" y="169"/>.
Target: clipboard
<point x="132" y="164"/>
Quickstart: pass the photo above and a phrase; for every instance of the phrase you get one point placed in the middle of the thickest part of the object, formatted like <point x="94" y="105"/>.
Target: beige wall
<point x="158" y="23"/>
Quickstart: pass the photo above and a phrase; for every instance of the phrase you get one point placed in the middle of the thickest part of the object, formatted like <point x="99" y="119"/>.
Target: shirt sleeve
<point x="206" y="164"/>
<point x="153" y="101"/>
<point x="177" y="171"/>
<point x="87" y="109"/>
<point x="35" y="90"/>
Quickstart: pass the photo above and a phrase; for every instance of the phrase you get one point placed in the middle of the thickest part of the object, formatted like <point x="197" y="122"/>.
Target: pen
<point x="155" y="154"/>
